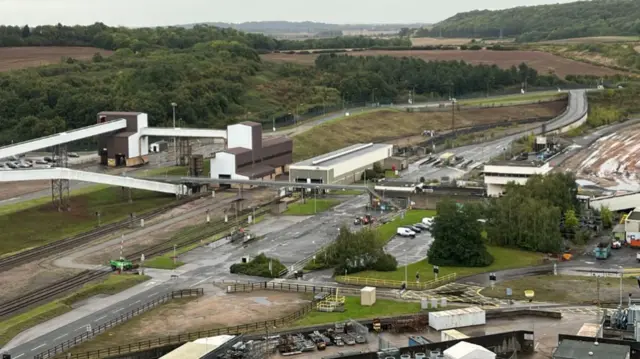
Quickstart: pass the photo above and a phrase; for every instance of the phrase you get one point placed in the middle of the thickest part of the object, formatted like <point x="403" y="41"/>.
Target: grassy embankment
<point x="36" y="222"/>
<point x="114" y="284"/>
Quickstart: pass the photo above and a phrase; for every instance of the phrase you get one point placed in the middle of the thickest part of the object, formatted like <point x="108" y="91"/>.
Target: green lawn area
<point x="390" y="174"/>
<point x="12" y="326"/>
<point x="353" y="310"/>
<point x="311" y="207"/>
<point x="505" y="258"/>
<point x="388" y="230"/>
<point x="34" y="223"/>
<point x="565" y="289"/>
<point x="514" y="99"/>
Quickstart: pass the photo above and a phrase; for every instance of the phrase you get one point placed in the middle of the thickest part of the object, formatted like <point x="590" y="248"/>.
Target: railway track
<point x="52" y="291"/>
<point x="60" y="246"/>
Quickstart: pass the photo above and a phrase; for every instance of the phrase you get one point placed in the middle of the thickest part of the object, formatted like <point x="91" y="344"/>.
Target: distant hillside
<point x="280" y="27"/>
<point x="544" y="22"/>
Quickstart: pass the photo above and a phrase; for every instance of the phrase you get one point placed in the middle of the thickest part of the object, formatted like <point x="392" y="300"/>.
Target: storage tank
<point x="457" y="318"/>
<point x="452" y="334"/>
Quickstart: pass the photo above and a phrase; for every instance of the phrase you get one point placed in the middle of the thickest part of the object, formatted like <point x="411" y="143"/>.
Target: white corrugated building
<point x="343" y="166"/>
<point x="464" y="350"/>
<point x="497" y="175"/>
<point x="198" y="348"/>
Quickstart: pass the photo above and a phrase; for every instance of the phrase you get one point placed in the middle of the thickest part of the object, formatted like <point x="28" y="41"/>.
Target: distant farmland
<point x="541" y="61"/>
<point x="13" y="58"/>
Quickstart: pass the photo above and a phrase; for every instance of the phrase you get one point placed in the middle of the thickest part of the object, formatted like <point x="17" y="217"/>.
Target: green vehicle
<point x="602" y="250"/>
<point x="121" y="264"/>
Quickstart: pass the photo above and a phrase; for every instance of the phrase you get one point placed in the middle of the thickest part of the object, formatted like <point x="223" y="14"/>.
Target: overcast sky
<point x="170" y="12"/>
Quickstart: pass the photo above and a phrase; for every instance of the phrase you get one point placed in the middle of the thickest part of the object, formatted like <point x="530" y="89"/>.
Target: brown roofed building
<point x="248" y="156"/>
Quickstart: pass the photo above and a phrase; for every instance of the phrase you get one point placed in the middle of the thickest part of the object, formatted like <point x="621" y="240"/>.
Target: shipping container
<point x="457" y="318"/>
<point x="591" y="330"/>
<point x="452" y="334"/>
<point x="418" y="340"/>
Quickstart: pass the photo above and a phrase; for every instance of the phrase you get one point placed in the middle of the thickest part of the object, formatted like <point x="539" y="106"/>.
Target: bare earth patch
<point x="12" y="58"/>
<point x="541" y="61"/>
<point x="31" y="276"/>
<point x="432" y="41"/>
<point x="203" y="313"/>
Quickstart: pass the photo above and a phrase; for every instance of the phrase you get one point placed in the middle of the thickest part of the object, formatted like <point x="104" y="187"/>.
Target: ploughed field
<point x="14" y="58"/>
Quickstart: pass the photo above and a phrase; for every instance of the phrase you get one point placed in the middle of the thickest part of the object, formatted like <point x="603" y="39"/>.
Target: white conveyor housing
<point x="84" y="176"/>
<point x="182" y="132"/>
<point x="62" y="137"/>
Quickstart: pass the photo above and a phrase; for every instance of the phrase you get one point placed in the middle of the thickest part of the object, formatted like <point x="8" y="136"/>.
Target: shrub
<point x="259" y="267"/>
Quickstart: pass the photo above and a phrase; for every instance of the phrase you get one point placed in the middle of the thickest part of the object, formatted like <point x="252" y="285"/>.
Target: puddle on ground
<point x="262" y="300"/>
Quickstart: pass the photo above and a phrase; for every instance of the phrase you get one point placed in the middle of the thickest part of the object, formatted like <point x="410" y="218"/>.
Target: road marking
<point x="18" y="356"/>
<point x="60" y="337"/>
<point x="195" y="284"/>
<point x="137" y="301"/>
<point x="152" y="294"/>
<point x="117" y="310"/>
<point x="82" y="327"/>
<point x="99" y="319"/>
<point x="39" y="346"/>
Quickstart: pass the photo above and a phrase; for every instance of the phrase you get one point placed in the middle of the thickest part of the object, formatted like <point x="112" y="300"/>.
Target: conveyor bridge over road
<point x="69" y="174"/>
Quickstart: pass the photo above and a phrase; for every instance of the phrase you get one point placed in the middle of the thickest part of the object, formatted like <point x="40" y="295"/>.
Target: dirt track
<point x="13" y="58"/>
<point x="541" y="61"/>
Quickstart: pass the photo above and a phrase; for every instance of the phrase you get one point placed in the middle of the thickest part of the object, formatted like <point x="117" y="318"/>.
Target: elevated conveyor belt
<point x="69" y="174"/>
<point x="183" y="132"/>
<point x="60" y="138"/>
<point x="616" y="203"/>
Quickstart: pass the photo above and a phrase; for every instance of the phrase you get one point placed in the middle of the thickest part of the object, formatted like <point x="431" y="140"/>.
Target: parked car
<point x="42" y="162"/>
<point x="73" y="154"/>
<point x="405" y="232"/>
<point x="11" y="165"/>
<point x="414" y="228"/>
<point x="421" y="226"/>
<point x="616" y="245"/>
<point x="48" y="159"/>
<point x="428" y="221"/>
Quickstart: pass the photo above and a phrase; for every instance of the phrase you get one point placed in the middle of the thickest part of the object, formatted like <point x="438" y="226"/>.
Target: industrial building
<point x="343" y="166"/>
<point x="249" y="156"/>
<point x="498" y="174"/>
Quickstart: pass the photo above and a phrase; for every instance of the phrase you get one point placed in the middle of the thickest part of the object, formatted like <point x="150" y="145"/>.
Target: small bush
<point x="259" y="267"/>
<point x="385" y="263"/>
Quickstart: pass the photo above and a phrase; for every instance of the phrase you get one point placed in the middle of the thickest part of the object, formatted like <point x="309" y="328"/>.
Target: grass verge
<point x="34" y="223"/>
<point x="505" y="258"/>
<point x="13" y="326"/>
<point x="565" y="289"/>
<point x="312" y="206"/>
<point x="515" y="99"/>
<point x="353" y="310"/>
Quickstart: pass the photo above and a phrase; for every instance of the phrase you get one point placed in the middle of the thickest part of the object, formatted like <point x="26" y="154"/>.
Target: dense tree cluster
<point x="457" y="236"/>
<point x="138" y="39"/>
<point x="355" y="252"/>
<point x="544" y="22"/>
<point x="609" y="106"/>
<point x="260" y="266"/>
<point x="529" y="216"/>
<point x="385" y="77"/>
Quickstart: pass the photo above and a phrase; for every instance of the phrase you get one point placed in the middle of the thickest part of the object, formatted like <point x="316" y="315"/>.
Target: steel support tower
<point x="60" y="196"/>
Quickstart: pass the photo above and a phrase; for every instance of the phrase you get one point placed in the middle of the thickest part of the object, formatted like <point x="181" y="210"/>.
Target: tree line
<point x="383" y="78"/>
<point x="544" y="22"/>
<point x="139" y="39"/>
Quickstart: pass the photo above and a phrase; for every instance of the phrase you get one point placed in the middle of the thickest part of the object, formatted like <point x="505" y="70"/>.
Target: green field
<point x="36" y="222"/>
<point x="388" y="230"/>
<point x="12" y="326"/>
<point x="515" y="99"/>
<point x="311" y="207"/>
<point x="353" y="310"/>
<point x="505" y="258"/>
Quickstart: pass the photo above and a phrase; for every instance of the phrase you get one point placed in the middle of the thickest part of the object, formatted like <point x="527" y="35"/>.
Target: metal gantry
<point x="60" y="196"/>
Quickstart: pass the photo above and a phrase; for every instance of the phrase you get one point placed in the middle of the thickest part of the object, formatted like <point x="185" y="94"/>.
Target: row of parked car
<point x="21" y="162"/>
<point x="413" y="229"/>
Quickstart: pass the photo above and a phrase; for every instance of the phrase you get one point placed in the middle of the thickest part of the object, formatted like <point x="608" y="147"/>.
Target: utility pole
<point x="175" y="145"/>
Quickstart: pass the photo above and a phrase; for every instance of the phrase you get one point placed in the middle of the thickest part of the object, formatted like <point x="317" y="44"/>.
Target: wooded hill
<point x="544" y="22"/>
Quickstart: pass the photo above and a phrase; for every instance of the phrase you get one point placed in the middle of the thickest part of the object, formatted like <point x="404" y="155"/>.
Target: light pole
<point x="621" y="275"/>
<point x="175" y="146"/>
<point x="315" y="200"/>
<point x="406" y="266"/>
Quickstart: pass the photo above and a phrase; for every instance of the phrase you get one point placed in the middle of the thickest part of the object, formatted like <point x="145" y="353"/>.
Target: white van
<point x="427" y="221"/>
<point x="405" y="232"/>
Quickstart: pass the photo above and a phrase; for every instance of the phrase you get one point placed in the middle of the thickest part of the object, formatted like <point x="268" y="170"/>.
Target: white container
<point x="452" y="334"/>
<point x="457" y="318"/>
<point x="368" y="296"/>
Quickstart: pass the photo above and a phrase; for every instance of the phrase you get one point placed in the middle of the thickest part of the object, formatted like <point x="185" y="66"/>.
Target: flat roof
<point x="335" y="157"/>
<point x="512" y="163"/>
<point x="574" y="349"/>
<point x="198" y="348"/>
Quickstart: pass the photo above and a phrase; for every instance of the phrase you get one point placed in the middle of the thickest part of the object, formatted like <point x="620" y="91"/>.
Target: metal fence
<point x="183" y="338"/>
<point x="396" y="284"/>
<point x="92" y="332"/>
